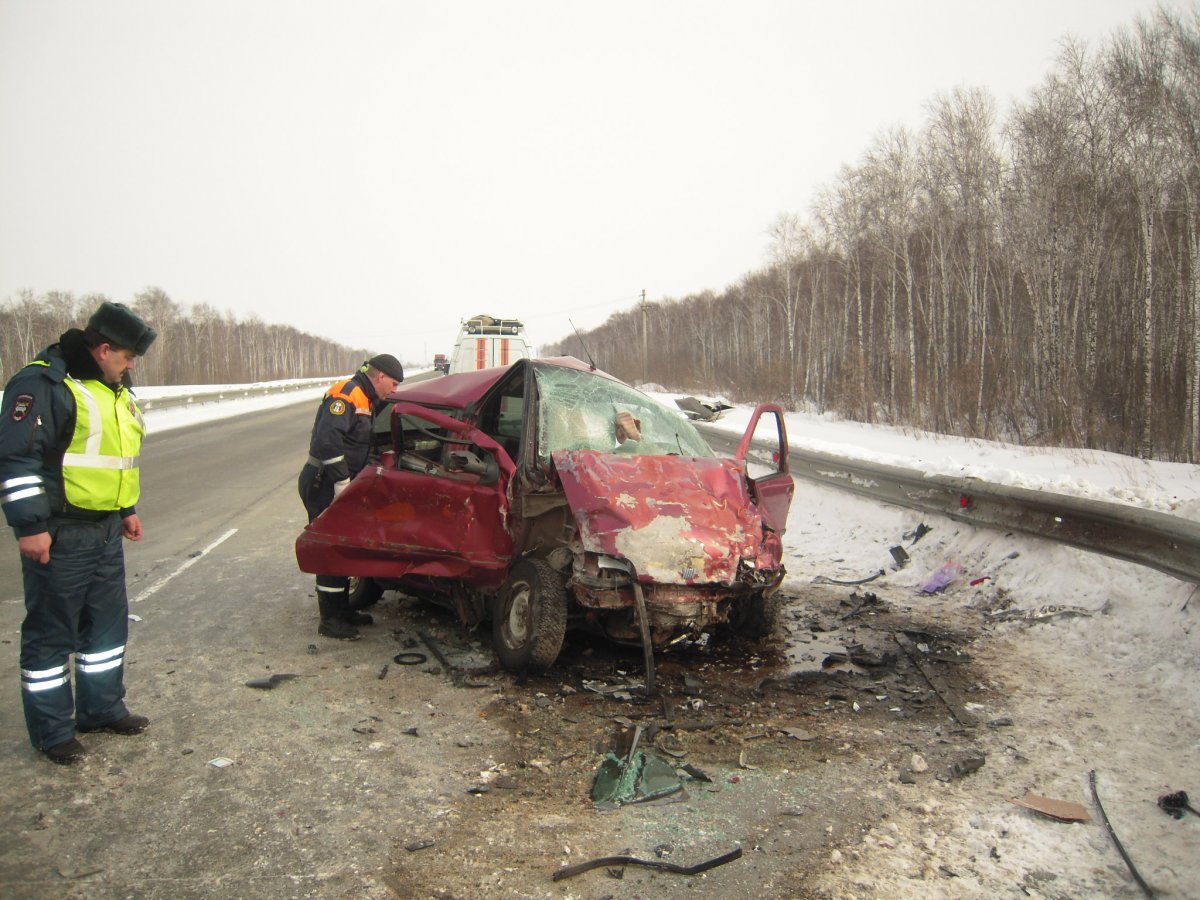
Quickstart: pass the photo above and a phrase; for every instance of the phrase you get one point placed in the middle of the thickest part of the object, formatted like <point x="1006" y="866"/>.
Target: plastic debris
<point x="615" y="691"/>
<point x="702" y="410"/>
<point x="942" y="577"/>
<point x="867" y="602"/>
<point x="634" y="779"/>
<point x="799" y="734"/>
<point x="965" y="765"/>
<point x="266" y="684"/>
<point x="917" y="533"/>
<point x="1063" y="810"/>
<point x="220" y="762"/>
<point x="1041" y="614"/>
<point x="822" y="579"/>
<point x="1175" y="804"/>
<point x="607" y="861"/>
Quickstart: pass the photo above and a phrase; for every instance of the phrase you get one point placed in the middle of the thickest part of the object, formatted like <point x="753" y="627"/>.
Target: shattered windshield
<point x="583" y="411"/>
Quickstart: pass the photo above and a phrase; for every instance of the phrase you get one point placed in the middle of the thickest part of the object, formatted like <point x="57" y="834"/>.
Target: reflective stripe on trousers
<point x="75" y="605"/>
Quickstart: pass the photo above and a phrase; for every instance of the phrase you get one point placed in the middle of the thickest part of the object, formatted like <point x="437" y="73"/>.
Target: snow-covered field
<point x="1113" y="687"/>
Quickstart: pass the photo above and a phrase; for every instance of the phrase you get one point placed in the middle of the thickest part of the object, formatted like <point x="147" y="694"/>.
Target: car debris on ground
<point x="702" y="410"/>
<point x="1175" y="804"/>
<point x="610" y="861"/>
<point x="1062" y="810"/>
<point x="266" y="684"/>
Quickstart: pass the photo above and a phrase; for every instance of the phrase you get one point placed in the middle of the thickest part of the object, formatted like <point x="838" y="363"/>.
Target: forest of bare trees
<point x="1033" y="279"/>
<point x="195" y="345"/>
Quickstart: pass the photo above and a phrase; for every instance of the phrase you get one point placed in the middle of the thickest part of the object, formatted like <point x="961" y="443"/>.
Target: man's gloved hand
<point x="339" y="486"/>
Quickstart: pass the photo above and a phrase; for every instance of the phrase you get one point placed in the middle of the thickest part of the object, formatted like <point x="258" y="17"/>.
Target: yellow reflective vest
<point x="100" y="467"/>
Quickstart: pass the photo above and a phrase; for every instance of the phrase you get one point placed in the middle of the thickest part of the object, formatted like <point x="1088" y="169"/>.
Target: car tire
<point x="754" y="617"/>
<point x="529" y="616"/>
<point x="364" y="592"/>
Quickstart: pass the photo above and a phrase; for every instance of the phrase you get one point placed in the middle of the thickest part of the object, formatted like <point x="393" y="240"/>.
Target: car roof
<point x="460" y="390"/>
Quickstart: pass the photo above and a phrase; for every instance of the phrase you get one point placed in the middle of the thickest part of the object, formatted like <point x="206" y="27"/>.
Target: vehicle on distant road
<point x="485" y="342"/>
<point x="548" y="494"/>
<point x="441" y="363"/>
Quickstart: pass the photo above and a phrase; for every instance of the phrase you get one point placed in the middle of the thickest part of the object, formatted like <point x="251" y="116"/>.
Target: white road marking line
<point x="195" y="559"/>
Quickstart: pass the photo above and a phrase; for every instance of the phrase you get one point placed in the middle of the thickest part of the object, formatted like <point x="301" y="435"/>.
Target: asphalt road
<point x="197" y="484"/>
<point x="314" y="788"/>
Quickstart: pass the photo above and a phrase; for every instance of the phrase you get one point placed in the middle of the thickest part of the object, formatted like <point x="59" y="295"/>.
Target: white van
<point x="485" y="342"/>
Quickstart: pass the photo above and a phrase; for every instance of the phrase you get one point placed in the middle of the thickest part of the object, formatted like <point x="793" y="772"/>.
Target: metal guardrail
<point x="217" y="395"/>
<point x="1161" y="541"/>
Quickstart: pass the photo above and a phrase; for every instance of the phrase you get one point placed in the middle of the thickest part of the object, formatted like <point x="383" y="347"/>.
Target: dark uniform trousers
<point x="75" y="605"/>
<point x="316" y="491"/>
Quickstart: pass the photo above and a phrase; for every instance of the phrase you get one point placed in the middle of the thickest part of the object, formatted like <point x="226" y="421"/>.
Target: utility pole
<point x="645" y="341"/>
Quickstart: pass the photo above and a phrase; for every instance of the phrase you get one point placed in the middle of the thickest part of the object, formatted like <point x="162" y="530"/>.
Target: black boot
<point x="354" y="617"/>
<point x="336" y="628"/>
<point x="333" y="621"/>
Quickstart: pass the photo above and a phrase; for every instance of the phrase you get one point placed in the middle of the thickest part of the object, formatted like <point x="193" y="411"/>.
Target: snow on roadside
<point x="1110" y="684"/>
<point x="210" y="405"/>
<point x="1095" y="474"/>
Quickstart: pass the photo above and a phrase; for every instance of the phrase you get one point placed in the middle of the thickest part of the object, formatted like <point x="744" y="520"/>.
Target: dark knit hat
<point x="388" y="365"/>
<point x="118" y="325"/>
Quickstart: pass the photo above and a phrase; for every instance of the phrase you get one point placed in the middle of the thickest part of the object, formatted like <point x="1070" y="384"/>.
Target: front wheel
<point x="364" y="592"/>
<point x="754" y="616"/>
<point x="529" y="616"/>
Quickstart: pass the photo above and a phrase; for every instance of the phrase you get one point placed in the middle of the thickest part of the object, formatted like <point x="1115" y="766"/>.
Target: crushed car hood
<point x="678" y="520"/>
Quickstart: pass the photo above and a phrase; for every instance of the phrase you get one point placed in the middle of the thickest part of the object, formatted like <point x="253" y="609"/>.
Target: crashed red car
<point x="548" y="494"/>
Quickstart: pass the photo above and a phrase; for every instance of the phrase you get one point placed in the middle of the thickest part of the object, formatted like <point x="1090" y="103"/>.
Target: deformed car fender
<point x="678" y="520"/>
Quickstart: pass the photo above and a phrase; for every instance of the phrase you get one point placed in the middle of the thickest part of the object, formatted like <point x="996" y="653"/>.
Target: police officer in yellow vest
<point x="70" y="436"/>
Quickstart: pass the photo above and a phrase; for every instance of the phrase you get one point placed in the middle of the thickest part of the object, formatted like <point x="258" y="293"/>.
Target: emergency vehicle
<point x="485" y="342"/>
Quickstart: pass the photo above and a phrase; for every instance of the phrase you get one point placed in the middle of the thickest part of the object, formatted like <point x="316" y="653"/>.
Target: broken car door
<point x="439" y="512"/>
<point x="764" y="448"/>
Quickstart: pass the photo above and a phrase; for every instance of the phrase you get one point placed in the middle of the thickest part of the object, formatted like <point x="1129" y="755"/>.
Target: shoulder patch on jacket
<point x="22" y="404"/>
<point x="337" y="407"/>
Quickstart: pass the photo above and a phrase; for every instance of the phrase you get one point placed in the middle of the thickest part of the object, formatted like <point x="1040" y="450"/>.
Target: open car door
<point x="764" y="448"/>
<point x="436" y="505"/>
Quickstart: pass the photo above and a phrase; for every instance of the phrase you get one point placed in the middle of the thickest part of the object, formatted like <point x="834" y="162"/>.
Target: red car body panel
<point x="388" y="524"/>
<point x="677" y="520"/>
<point x="462" y="389"/>
<point x="395" y="523"/>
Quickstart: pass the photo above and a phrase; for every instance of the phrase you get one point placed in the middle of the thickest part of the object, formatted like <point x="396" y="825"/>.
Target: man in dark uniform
<point x="70" y="437"/>
<point x="338" y="450"/>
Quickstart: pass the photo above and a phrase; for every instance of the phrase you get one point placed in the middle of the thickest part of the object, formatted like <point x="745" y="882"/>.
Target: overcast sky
<point x="375" y="172"/>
